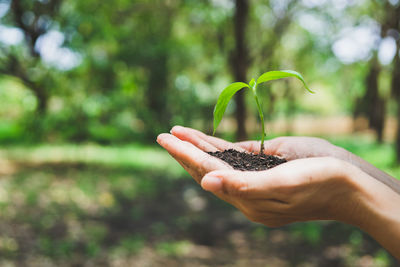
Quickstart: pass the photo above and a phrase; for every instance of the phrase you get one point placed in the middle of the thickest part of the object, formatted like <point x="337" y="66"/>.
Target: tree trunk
<point x="395" y="90"/>
<point x="157" y="115"/>
<point x="240" y="61"/>
<point x="157" y="94"/>
<point x="14" y="67"/>
<point x="371" y="104"/>
<point x="375" y="103"/>
<point x="394" y="23"/>
<point x="42" y="99"/>
<point x="397" y="141"/>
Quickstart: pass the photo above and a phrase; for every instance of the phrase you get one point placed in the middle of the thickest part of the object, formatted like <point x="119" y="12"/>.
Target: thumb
<point x="239" y="183"/>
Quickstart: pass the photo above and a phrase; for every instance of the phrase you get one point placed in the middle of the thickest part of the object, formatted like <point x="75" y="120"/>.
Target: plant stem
<point x="260" y="113"/>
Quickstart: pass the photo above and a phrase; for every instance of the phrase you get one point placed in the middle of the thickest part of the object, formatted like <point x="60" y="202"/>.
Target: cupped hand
<point x="294" y="191"/>
<point x="187" y="146"/>
<point x="299" y="190"/>
<point x="288" y="147"/>
<point x="310" y="186"/>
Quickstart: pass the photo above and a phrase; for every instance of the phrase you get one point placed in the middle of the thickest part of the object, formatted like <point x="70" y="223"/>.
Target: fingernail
<point x="162" y="136"/>
<point x="158" y="138"/>
<point x="176" y="128"/>
<point x="211" y="183"/>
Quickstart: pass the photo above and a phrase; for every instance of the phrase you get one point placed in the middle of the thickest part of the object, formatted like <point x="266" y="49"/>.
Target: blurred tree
<point x="148" y="64"/>
<point x="157" y="36"/>
<point x="391" y="27"/>
<point x="395" y="86"/>
<point x="372" y="104"/>
<point x="396" y="94"/>
<point x="125" y="48"/>
<point x="261" y="51"/>
<point x="240" y="62"/>
<point x="34" y="19"/>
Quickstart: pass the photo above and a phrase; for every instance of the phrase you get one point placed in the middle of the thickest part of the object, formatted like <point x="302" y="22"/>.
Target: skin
<point x="319" y="182"/>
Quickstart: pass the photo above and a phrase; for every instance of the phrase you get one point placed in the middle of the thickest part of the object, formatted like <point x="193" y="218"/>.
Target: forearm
<point x="386" y="231"/>
<point x="384" y="226"/>
<point x="378" y="211"/>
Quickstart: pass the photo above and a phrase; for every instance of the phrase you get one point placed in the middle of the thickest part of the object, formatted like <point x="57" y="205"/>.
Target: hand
<point x="307" y="147"/>
<point x="291" y="186"/>
<point x="299" y="190"/>
<point x="288" y="147"/>
<point x="320" y="188"/>
<point x="272" y="190"/>
<point x="292" y="148"/>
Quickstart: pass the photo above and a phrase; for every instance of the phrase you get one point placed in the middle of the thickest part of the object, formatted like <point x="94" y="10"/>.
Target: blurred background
<point x="86" y="86"/>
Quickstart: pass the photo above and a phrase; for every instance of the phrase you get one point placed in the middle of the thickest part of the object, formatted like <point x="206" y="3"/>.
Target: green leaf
<point x="252" y="83"/>
<point x="223" y="101"/>
<point x="275" y="75"/>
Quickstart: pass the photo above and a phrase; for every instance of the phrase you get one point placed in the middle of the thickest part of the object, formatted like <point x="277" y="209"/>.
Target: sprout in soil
<point x="231" y="89"/>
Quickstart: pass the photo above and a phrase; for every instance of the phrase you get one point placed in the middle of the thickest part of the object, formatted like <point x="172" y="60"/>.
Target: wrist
<point x="351" y="201"/>
<point x="362" y="202"/>
<point x="376" y="210"/>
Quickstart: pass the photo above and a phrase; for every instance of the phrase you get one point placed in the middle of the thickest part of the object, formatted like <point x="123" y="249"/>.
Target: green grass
<point x="134" y="155"/>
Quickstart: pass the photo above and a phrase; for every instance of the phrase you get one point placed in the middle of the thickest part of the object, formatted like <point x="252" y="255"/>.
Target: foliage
<point x="138" y="67"/>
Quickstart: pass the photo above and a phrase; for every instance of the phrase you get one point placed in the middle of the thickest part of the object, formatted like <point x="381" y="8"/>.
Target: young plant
<point x="231" y="89"/>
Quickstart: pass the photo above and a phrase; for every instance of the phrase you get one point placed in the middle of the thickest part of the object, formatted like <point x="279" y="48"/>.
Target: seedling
<point x="231" y="89"/>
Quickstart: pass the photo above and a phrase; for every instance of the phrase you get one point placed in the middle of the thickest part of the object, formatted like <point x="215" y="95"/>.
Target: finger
<point x="256" y="208"/>
<point x="194" y="161"/>
<point x="202" y="140"/>
<point x="284" y="183"/>
<point x="249" y="189"/>
<point x="194" y="173"/>
<point x="250" y="146"/>
<point x="271" y="205"/>
<point x="191" y="136"/>
<point x="246" y="185"/>
<point x="197" y="177"/>
<point x="270" y="147"/>
<point x="193" y="158"/>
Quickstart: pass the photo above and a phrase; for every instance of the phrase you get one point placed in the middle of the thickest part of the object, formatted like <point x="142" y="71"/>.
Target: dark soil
<point x="246" y="161"/>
